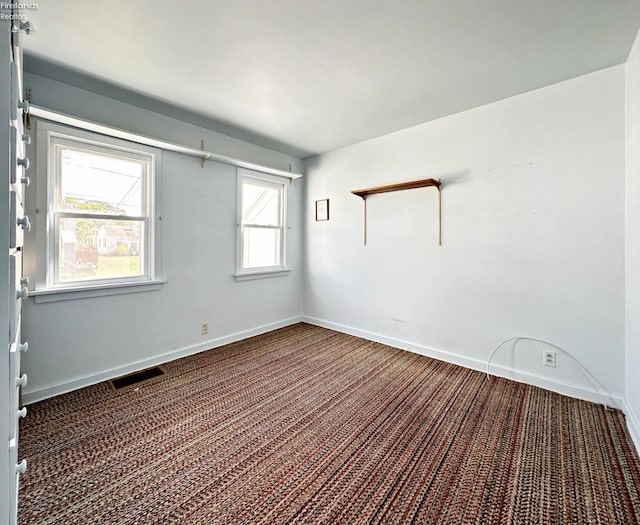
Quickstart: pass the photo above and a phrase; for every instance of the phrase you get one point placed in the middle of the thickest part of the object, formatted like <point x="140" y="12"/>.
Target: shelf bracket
<point x="364" y="219"/>
<point x="439" y="220"/>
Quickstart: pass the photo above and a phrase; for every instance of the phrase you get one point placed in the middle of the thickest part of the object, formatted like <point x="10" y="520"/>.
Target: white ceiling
<point x="315" y="75"/>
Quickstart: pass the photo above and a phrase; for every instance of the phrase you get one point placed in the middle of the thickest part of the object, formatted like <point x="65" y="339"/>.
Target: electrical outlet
<point x="205" y="328"/>
<point x="549" y="357"/>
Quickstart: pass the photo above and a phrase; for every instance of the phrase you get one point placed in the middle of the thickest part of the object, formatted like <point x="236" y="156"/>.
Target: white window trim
<point x="283" y="269"/>
<point x="42" y="250"/>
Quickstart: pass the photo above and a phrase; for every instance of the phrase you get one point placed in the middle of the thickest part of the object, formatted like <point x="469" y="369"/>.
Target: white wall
<point x="632" y="223"/>
<point x="533" y="235"/>
<point x="77" y="342"/>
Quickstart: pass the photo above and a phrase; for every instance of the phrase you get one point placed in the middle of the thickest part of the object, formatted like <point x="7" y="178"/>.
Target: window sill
<point x="66" y="294"/>
<point x="261" y="274"/>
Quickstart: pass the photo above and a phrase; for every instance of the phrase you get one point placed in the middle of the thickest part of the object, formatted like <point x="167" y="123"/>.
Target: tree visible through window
<point x="101" y="209"/>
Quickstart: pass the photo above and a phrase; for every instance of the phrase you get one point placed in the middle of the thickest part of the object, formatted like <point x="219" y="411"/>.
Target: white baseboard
<point x="567" y="389"/>
<point x="633" y="424"/>
<point x="38" y="394"/>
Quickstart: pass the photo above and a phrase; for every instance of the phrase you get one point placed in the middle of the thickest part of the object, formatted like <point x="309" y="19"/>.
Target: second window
<point x="262" y="211"/>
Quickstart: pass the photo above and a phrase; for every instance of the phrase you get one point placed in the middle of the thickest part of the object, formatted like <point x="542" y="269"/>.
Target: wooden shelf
<point x="423" y="183"/>
<point x="412" y="185"/>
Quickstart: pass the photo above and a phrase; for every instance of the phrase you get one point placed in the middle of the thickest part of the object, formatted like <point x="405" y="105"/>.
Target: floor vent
<point x="135" y="378"/>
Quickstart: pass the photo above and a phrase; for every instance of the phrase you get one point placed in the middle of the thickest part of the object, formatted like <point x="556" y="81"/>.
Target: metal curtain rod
<point x="87" y="125"/>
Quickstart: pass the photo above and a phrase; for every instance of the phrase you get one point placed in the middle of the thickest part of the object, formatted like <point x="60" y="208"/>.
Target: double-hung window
<point x="262" y="210"/>
<point x="100" y="203"/>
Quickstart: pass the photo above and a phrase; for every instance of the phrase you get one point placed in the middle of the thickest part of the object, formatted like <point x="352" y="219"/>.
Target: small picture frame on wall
<point x="322" y="210"/>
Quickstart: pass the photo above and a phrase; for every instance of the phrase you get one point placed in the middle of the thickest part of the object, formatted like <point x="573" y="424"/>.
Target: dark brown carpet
<point x="306" y="425"/>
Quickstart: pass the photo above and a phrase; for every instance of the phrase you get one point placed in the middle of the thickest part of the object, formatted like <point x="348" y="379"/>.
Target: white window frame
<point x="45" y="248"/>
<point x="268" y="181"/>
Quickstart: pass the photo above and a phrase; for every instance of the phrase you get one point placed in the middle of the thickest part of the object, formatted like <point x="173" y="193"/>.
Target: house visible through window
<point x="100" y="227"/>
<point x="262" y="212"/>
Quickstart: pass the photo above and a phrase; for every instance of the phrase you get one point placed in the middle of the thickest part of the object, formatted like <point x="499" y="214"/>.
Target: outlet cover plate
<point x="549" y="358"/>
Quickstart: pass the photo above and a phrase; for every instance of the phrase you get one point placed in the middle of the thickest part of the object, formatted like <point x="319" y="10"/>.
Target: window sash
<point x="56" y="256"/>
<point x="269" y="186"/>
<point x="59" y="143"/>
<point x="280" y="231"/>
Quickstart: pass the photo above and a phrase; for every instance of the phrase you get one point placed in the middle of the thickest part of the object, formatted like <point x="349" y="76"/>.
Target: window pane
<point x="260" y="205"/>
<point x="99" y="249"/>
<point x="101" y="183"/>
<point x="261" y="247"/>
